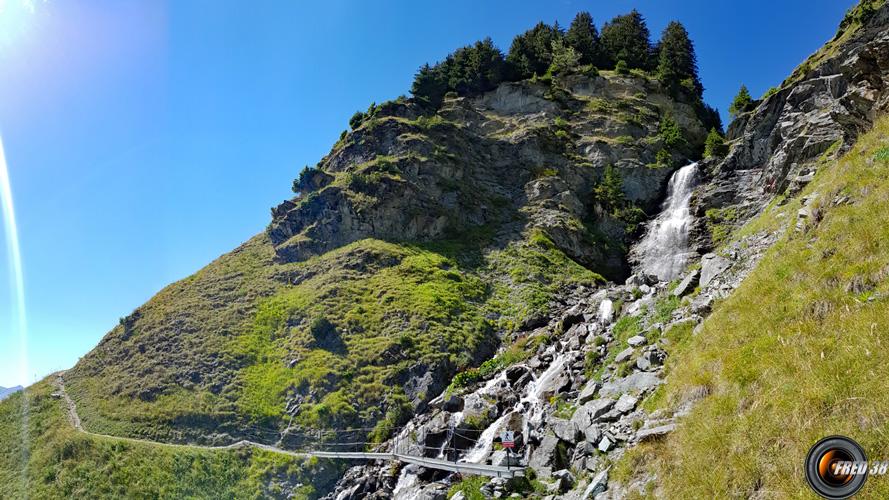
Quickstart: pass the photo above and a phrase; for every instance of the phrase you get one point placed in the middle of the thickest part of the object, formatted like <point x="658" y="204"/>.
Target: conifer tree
<point x="626" y="38"/>
<point x="677" y="63"/>
<point x="741" y="102"/>
<point x="430" y="85"/>
<point x="583" y="37"/>
<point x="714" y="147"/>
<point x="531" y="52"/>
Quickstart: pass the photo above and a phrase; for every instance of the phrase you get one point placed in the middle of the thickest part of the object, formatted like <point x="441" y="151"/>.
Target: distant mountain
<point x="4" y="392"/>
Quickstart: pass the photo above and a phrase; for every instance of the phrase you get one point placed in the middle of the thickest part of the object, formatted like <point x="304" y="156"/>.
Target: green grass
<point x="54" y="461"/>
<point x="793" y="355"/>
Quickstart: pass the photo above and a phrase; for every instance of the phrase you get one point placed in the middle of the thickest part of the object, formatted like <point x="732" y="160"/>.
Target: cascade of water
<point x="664" y="250"/>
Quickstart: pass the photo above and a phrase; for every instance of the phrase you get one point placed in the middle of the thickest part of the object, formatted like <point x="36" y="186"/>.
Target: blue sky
<point x="146" y="138"/>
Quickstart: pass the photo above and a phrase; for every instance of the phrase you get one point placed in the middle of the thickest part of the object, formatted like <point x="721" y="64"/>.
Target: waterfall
<point x="664" y="250"/>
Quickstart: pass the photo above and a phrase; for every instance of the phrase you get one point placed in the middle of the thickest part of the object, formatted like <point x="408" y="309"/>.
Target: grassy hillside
<point x="222" y="353"/>
<point x="798" y="352"/>
<point x="52" y="460"/>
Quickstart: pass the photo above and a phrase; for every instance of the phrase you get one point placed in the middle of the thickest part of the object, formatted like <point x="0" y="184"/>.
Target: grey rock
<point x="635" y="383"/>
<point x="624" y="355"/>
<point x="626" y="403"/>
<point x="544" y="457"/>
<point x="565" y="479"/>
<point x="605" y="444"/>
<point x="651" y="359"/>
<point x="687" y="284"/>
<point x="566" y="430"/>
<point x="655" y="432"/>
<point x="636" y="341"/>
<point x="712" y="265"/>
<point x="588" y="392"/>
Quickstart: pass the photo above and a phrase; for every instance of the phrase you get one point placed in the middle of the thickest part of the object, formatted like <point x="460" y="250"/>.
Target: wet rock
<point x="453" y="404"/>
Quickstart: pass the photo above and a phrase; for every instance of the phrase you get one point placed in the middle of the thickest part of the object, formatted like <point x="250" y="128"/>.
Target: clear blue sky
<point x="146" y="138"/>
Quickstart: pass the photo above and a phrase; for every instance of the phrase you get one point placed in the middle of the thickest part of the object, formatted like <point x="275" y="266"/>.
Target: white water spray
<point x="664" y="249"/>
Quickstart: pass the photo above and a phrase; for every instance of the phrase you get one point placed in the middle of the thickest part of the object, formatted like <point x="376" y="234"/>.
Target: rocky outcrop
<point x="817" y="114"/>
<point x="526" y="155"/>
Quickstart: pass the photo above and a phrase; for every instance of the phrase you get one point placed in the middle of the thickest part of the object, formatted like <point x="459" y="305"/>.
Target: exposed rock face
<point x="823" y="110"/>
<point x="522" y="156"/>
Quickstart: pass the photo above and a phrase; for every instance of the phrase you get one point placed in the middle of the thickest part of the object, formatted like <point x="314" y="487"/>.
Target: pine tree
<point x="583" y="37"/>
<point x="430" y="85"/>
<point x="741" y="102"/>
<point x="531" y="52"/>
<point x="626" y="38"/>
<point x="714" y="147"/>
<point x="565" y="58"/>
<point x="677" y="63"/>
<point x="609" y="192"/>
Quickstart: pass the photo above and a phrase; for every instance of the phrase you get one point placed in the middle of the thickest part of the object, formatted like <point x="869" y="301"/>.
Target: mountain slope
<point x="420" y="244"/>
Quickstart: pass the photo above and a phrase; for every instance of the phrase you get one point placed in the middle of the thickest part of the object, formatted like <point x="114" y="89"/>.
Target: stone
<point x="453" y="404"/>
<point x="636" y="340"/>
<point x="544" y="457"/>
<point x="566" y="430"/>
<point x="712" y="265"/>
<point x="592" y="434"/>
<point x="598" y="407"/>
<point x="458" y="496"/>
<point x="597" y="486"/>
<point x="651" y="359"/>
<point x="588" y="392"/>
<point x="565" y="479"/>
<point x="624" y="355"/>
<point x="606" y="311"/>
<point x="638" y="382"/>
<point x="605" y="444"/>
<point x="626" y="403"/>
<point x="655" y="432"/>
<point x="687" y="284"/>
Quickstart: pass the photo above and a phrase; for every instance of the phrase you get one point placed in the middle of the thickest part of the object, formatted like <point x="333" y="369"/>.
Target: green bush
<point x="663" y="158"/>
<point x="622" y="68"/>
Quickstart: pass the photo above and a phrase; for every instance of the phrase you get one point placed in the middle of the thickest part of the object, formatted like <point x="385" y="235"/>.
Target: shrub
<point x="356" y="120"/>
<point x="622" y="68"/>
<point x="769" y="93"/>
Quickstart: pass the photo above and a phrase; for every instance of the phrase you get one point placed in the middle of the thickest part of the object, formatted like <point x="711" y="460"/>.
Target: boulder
<point x="712" y="265"/>
<point x="655" y="432"/>
<point x="687" y="284"/>
<point x="564" y="479"/>
<point x="651" y="359"/>
<point x="566" y="430"/>
<point x="638" y="382"/>
<point x="605" y="444"/>
<point x="624" y="355"/>
<point x="588" y="392"/>
<point x="636" y="340"/>
<point x="546" y="456"/>
<point x="626" y="403"/>
<point x="606" y="311"/>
